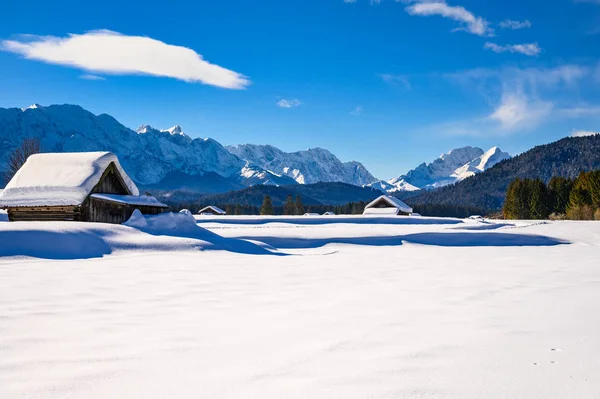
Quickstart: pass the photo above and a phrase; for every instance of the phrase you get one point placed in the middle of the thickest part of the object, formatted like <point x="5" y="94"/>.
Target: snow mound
<point x="186" y="212"/>
<point x="164" y="223"/>
<point x="60" y="179"/>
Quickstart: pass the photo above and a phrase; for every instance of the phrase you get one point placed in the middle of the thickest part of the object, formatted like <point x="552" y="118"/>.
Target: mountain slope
<point x="305" y="167"/>
<point x="161" y="159"/>
<point x="449" y="168"/>
<point x="566" y="157"/>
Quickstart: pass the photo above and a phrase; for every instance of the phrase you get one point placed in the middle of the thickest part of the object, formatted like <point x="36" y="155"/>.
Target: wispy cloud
<point x="522" y="99"/>
<point x="514" y="25"/>
<point x="113" y="53"/>
<point x="357" y="111"/>
<point x="530" y="49"/>
<point x="283" y="103"/>
<point x="396" y="79"/>
<point x="469" y="21"/>
<point x="91" y="77"/>
<point x="349" y="1"/>
<point x="517" y="110"/>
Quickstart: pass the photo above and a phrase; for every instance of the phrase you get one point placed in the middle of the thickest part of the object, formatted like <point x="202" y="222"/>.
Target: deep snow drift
<point x="465" y="309"/>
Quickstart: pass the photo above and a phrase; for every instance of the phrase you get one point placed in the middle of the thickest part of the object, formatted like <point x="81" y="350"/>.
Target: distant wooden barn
<point x="387" y="205"/>
<point x="212" y="211"/>
<point x="84" y="186"/>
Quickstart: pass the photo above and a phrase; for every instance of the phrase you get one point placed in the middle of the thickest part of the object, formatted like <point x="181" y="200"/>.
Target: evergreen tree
<point x="267" y="206"/>
<point x="299" y="208"/>
<point x="512" y="204"/>
<point x="580" y="194"/>
<point x="539" y="199"/>
<point x="229" y="209"/>
<point x="289" y="208"/>
<point x="237" y="210"/>
<point x="560" y="190"/>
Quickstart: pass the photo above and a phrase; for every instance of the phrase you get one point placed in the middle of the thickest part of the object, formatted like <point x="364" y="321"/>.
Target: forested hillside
<point x="311" y="194"/>
<point x="566" y="158"/>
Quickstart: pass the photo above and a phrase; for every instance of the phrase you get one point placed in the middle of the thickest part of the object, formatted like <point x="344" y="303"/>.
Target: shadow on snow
<point x="435" y="239"/>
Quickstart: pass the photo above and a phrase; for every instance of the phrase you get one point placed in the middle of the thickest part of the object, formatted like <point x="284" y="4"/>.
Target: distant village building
<point x="329" y="214"/>
<point x="212" y="211"/>
<point x="387" y="205"/>
<point x="82" y="186"/>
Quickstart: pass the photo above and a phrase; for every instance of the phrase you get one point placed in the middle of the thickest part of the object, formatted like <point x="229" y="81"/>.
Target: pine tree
<point x="237" y="210"/>
<point x="560" y="189"/>
<point x="289" y="208"/>
<point x="511" y="209"/>
<point x="267" y="206"/>
<point x="580" y="194"/>
<point x="229" y="209"/>
<point x="298" y="207"/>
<point x="539" y="200"/>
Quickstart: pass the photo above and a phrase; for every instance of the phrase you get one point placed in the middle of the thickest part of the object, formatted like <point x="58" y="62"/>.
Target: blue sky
<point x="387" y="83"/>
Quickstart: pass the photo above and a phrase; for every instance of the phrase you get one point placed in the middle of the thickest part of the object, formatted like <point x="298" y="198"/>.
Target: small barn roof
<point x="393" y="202"/>
<point x="57" y="179"/>
<point x="213" y="209"/>
<point x="140" y="200"/>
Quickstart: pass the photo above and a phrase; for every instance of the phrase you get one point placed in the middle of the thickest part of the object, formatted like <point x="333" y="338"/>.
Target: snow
<point x="59" y="179"/>
<point x="142" y="200"/>
<point x="396" y="205"/>
<point x="449" y="168"/>
<point x="304" y="167"/>
<point x="381" y="211"/>
<point x="212" y="208"/>
<point x="335" y="307"/>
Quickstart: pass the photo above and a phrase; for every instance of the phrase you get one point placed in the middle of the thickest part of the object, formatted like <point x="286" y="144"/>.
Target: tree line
<point x="561" y="198"/>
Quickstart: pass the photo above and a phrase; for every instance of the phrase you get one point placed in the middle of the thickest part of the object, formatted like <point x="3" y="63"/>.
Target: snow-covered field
<point x="323" y="307"/>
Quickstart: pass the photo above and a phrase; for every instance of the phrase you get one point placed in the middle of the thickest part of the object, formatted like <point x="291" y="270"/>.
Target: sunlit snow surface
<point x="307" y="307"/>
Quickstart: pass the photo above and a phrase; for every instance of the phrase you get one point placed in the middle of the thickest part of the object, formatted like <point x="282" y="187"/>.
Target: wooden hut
<point x="212" y="211"/>
<point x="387" y="205"/>
<point x="84" y="186"/>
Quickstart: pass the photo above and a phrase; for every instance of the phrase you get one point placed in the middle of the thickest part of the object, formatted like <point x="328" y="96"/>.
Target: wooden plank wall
<point x="46" y="213"/>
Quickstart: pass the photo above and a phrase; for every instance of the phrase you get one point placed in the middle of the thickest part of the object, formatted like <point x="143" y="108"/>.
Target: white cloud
<point x="471" y="23"/>
<point x="349" y="1"/>
<point x="530" y="49"/>
<point x="91" y="77"/>
<point x="283" y="103"/>
<point x="394" y="79"/>
<point x="110" y="52"/>
<point x="521" y="100"/>
<point x="519" y="111"/>
<point x="583" y="133"/>
<point x="514" y="25"/>
<point x="357" y="111"/>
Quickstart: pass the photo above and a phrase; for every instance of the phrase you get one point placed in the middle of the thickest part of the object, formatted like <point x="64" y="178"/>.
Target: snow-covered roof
<point x="141" y="200"/>
<point x="393" y="202"/>
<point x="212" y="209"/>
<point x="57" y="179"/>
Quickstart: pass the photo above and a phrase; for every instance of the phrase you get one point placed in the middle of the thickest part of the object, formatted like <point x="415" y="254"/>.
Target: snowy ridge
<point x="305" y="167"/>
<point x="151" y="155"/>
<point x="449" y="168"/>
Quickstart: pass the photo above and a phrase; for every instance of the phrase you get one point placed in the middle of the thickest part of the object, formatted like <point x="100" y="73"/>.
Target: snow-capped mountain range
<point x="449" y="168"/>
<point x="170" y="158"/>
<point x="305" y="167"/>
